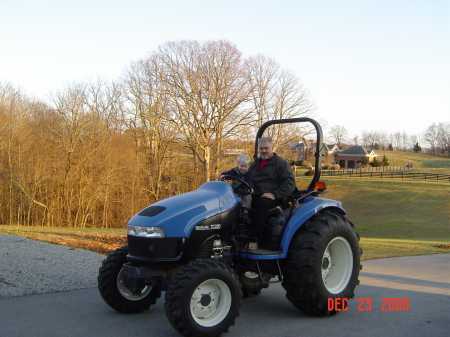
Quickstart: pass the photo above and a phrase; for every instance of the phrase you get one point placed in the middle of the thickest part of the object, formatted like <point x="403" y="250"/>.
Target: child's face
<point x="243" y="168"/>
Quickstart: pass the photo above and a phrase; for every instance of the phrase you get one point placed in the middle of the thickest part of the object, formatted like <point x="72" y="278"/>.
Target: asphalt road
<point x="397" y="297"/>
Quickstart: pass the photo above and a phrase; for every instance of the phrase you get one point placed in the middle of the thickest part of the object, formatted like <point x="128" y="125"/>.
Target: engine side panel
<point x="180" y="214"/>
<point x="176" y="250"/>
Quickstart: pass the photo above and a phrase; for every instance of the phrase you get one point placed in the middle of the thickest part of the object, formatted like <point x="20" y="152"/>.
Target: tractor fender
<point x="307" y="210"/>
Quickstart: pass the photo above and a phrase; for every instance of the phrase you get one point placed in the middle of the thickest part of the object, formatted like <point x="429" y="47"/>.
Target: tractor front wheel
<point x="203" y="299"/>
<point x="114" y="291"/>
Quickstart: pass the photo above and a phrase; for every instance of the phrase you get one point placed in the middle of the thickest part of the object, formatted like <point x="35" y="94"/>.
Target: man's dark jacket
<point x="276" y="177"/>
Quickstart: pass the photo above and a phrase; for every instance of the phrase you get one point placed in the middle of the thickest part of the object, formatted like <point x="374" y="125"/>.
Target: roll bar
<point x="320" y="150"/>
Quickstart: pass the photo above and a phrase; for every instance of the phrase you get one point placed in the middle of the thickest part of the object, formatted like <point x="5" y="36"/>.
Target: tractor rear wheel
<point x="323" y="262"/>
<point x="203" y="299"/>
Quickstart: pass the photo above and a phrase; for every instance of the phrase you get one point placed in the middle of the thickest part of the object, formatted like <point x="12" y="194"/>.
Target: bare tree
<point x="366" y="138"/>
<point x="277" y="94"/>
<point x="101" y="151"/>
<point x="444" y="137"/>
<point x="432" y="137"/>
<point x="384" y="140"/>
<point x="339" y="134"/>
<point x="405" y="141"/>
<point x="83" y="126"/>
<point x="262" y="74"/>
<point x="22" y="165"/>
<point x="398" y="140"/>
<point x="146" y="113"/>
<point x="206" y="88"/>
<point x="12" y="118"/>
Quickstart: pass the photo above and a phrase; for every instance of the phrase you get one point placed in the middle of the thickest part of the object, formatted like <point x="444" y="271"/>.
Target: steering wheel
<point x="230" y="177"/>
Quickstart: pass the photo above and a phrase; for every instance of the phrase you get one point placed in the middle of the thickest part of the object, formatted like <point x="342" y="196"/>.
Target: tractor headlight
<point x="146" y="232"/>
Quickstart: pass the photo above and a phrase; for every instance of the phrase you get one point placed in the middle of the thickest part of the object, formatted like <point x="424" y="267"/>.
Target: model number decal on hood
<point x="207" y="227"/>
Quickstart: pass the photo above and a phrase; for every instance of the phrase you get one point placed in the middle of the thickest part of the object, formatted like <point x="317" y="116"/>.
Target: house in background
<point x="349" y="158"/>
<point x="305" y="150"/>
<point x="331" y="150"/>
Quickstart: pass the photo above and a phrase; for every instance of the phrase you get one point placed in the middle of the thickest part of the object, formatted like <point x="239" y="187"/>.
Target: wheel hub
<point x="325" y="263"/>
<point x="337" y="263"/>
<point x="210" y="302"/>
<point x="206" y="300"/>
<point x="136" y="293"/>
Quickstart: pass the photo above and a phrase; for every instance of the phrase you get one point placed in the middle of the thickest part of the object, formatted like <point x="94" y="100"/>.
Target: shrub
<point x="335" y="167"/>
<point x="304" y="163"/>
<point x="364" y="161"/>
<point x="309" y="173"/>
<point x="375" y="163"/>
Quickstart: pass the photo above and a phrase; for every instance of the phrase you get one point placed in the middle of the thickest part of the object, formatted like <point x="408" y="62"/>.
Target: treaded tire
<point x="114" y="291"/>
<point x="203" y="299"/>
<point x="251" y="284"/>
<point x="323" y="262"/>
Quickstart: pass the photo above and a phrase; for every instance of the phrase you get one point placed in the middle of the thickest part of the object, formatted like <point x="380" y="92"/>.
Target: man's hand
<point x="268" y="195"/>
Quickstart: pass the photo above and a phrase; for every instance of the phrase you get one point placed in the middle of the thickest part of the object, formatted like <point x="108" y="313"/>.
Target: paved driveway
<point x="407" y="296"/>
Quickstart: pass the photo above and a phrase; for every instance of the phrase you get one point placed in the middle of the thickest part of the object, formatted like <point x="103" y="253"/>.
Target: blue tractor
<point x="194" y="247"/>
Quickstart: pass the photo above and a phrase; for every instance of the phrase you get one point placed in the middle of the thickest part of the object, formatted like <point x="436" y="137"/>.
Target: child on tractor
<point x="241" y="171"/>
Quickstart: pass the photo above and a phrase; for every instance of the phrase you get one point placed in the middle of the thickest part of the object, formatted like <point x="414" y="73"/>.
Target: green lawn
<point x="421" y="162"/>
<point x="395" y="218"/>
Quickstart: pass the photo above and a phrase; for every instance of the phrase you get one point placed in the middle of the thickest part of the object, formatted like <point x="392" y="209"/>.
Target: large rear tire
<point x="323" y="262"/>
<point x="114" y="291"/>
<point x="203" y="299"/>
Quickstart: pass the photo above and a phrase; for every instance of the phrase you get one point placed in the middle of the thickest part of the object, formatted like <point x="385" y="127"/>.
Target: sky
<point x="368" y="65"/>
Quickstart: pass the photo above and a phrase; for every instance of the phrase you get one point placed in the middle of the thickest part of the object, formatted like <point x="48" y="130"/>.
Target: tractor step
<point x="259" y="251"/>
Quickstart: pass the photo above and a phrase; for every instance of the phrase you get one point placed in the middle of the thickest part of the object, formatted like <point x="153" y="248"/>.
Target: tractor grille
<point x="154" y="248"/>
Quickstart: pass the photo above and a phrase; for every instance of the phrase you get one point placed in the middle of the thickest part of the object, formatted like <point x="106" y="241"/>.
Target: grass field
<point x="396" y="218"/>
<point x="393" y="218"/>
<point x="421" y="162"/>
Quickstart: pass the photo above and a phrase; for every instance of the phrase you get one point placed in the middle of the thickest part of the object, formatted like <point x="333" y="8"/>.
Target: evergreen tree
<point x="364" y="161"/>
<point x="375" y="163"/>
<point x="417" y="148"/>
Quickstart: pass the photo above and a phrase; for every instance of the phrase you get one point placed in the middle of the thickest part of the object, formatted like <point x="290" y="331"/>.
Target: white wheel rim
<point x="125" y="292"/>
<point x="337" y="265"/>
<point x="251" y="275"/>
<point x="210" y="302"/>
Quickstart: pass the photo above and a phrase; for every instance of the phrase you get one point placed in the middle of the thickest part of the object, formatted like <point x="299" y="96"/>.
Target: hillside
<point x="421" y="162"/>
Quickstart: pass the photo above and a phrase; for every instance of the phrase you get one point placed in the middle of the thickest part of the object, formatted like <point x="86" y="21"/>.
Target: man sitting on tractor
<point x="273" y="181"/>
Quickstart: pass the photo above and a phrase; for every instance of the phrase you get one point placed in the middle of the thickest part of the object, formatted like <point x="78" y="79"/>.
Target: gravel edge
<point x="32" y="267"/>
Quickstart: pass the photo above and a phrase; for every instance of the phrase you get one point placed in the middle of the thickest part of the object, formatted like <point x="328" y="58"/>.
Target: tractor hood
<point x="179" y="214"/>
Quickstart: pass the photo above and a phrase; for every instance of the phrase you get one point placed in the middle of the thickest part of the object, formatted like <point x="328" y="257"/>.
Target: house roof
<point x="304" y="143"/>
<point x="359" y="150"/>
<point x="331" y="147"/>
